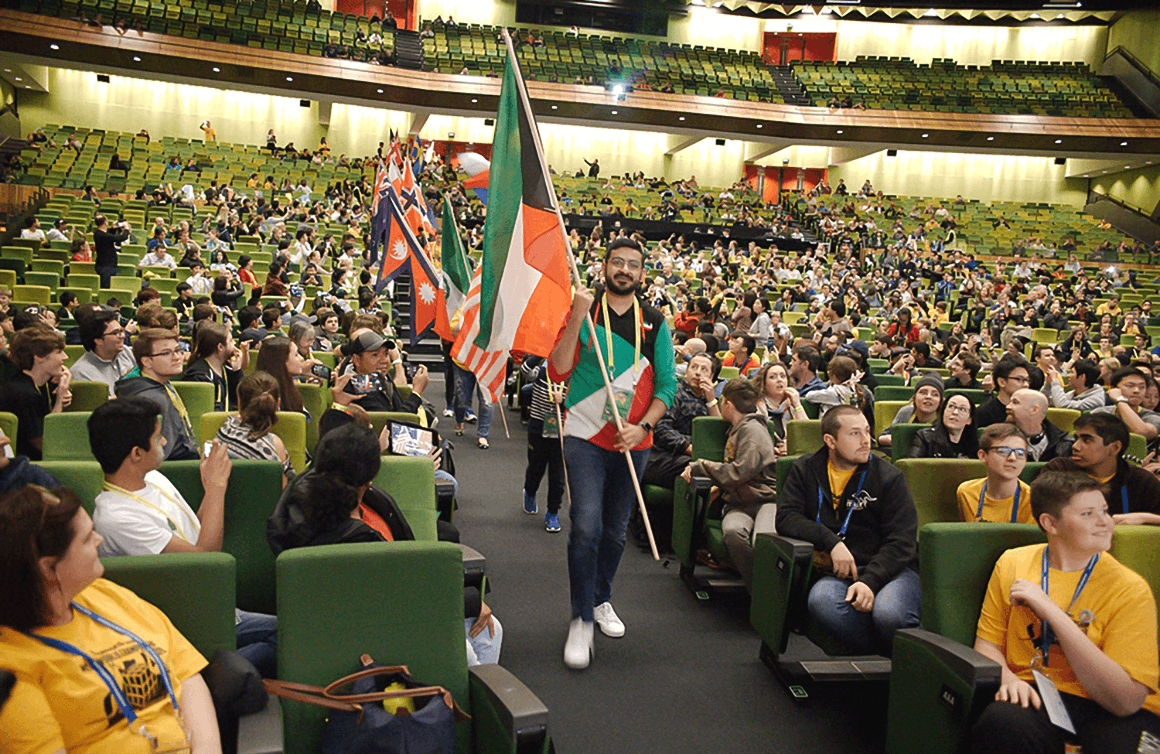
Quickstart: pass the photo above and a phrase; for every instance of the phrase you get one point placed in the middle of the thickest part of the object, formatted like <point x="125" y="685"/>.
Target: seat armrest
<point x="960" y="660"/>
<point x="798" y="550"/>
<point x="506" y="715"/>
<point x="474" y="567"/>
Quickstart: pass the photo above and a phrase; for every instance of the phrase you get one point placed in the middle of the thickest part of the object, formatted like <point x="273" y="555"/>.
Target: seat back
<point x="411" y="482"/>
<point x="1136" y="547"/>
<point x="400" y="602"/>
<point x="708" y="441"/>
<point x="901" y="438"/>
<point x="803" y="436"/>
<point x="254" y="488"/>
<point x="893" y="393"/>
<point x="890" y="379"/>
<point x="884" y="413"/>
<point x="977" y="396"/>
<point x="291" y="427"/>
<point x="934" y="482"/>
<point x="66" y="437"/>
<point x="955" y="563"/>
<point x="9" y="424"/>
<point x="82" y="477"/>
<point x="379" y="418"/>
<point x="1064" y="418"/>
<point x="315" y="399"/>
<point x="86" y="396"/>
<point x="197" y="397"/>
<point x="202" y="609"/>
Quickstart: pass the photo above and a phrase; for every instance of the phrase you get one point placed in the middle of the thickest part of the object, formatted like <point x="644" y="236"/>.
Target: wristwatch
<point x="646" y="427"/>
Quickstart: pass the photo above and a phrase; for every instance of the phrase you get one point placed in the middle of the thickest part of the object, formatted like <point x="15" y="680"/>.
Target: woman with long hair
<point x="953" y="433"/>
<point x="75" y="641"/>
<point x="247" y="434"/>
<point x="779" y="401"/>
<point x="923" y="406"/>
<point x="279" y="358"/>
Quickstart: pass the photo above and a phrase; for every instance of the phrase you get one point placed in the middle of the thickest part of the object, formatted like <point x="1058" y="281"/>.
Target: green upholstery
<point x="890" y="379"/>
<point x="291" y="427"/>
<point x="254" y="488"/>
<point x="197" y="397"/>
<point x="884" y="413"/>
<point x="83" y="477"/>
<point x="893" y="393"/>
<point x="86" y="396"/>
<point x="803" y="436"/>
<point x="400" y="602"/>
<point x="708" y="441"/>
<point x="8" y="424"/>
<point x="66" y="437"/>
<point x="411" y="482"/>
<point x="901" y="438"/>
<point x="976" y="396"/>
<point x="316" y="400"/>
<point x="934" y="484"/>
<point x="1137" y="445"/>
<point x="379" y="418"/>
<point x="1064" y="418"/>
<point x="202" y="609"/>
<point x="1136" y="547"/>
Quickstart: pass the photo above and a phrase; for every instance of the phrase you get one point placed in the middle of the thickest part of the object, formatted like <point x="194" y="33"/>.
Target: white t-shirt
<point x="133" y="527"/>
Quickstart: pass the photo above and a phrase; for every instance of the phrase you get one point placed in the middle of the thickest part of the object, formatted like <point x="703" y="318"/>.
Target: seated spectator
<point x="1101" y="442"/>
<point x="953" y="433"/>
<point x="778" y="402"/>
<point x="843" y="389"/>
<point x="741" y="345"/>
<point x="1010" y="374"/>
<point x="856" y="510"/>
<point x="673" y="434"/>
<point x="1106" y="672"/>
<point x="803" y="368"/>
<point x="1045" y="441"/>
<point x="280" y="359"/>
<point x="32" y="231"/>
<point x="57" y="231"/>
<point x="746" y="479"/>
<point x="216" y="360"/>
<point x="142" y="513"/>
<point x="324" y="505"/>
<point x="248" y="434"/>
<point x="923" y="406"/>
<point x="17" y="471"/>
<point x="1086" y="393"/>
<point x="1000" y="497"/>
<point x="368" y="356"/>
<point x="160" y="361"/>
<point x="80" y="250"/>
<point x="30" y="393"/>
<point x="106" y="359"/>
<point x="54" y="592"/>
<point x="1129" y="386"/>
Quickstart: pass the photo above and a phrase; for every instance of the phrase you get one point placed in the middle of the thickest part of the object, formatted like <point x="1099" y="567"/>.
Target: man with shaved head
<point x="1027" y="410"/>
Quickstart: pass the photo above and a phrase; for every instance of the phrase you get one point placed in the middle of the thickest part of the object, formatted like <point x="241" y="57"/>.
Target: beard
<point x="620" y="284"/>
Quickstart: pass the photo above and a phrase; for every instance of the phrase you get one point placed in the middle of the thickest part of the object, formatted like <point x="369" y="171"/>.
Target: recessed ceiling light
<point x="759" y="125"/>
<point x="54" y="47"/>
<point x="289" y="79"/>
<point x="380" y="91"/>
<point x="8" y="70"/>
<point x="216" y="69"/>
<point x="554" y="107"/>
<point x="681" y="118"/>
<point x="614" y="112"/>
<point x="19" y="79"/>
<point x="1127" y="166"/>
<point x="27" y="86"/>
<point x="1123" y="143"/>
<point x="841" y="131"/>
<point x="1059" y="141"/>
<point x="1034" y="15"/>
<point x="136" y="59"/>
<point x="990" y="138"/>
<point x="925" y="135"/>
<point x="473" y="101"/>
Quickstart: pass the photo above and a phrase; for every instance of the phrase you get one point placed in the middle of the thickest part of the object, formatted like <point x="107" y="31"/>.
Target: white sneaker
<point x="579" y="649"/>
<point x="449" y="412"/>
<point x="610" y="624"/>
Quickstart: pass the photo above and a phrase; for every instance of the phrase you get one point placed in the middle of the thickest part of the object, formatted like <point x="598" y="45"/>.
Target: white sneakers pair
<point x="580" y="647"/>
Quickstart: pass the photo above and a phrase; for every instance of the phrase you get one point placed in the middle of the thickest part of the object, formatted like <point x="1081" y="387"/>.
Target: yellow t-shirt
<point x="60" y="703"/>
<point x="838" y="480"/>
<point x="995" y="511"/>
<point x="1123" y="626"/>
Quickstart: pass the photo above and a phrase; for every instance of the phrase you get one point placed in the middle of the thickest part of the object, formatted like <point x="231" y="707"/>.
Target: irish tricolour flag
<point x="525" y="291"/>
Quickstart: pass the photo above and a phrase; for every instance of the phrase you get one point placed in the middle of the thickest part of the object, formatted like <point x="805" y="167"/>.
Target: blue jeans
<point x="896" y="605"/>
<point x="258" y="641"/>
<point x="465" y="379"/>
<point x="602" y="500"/>
<point x="483" y="649"/>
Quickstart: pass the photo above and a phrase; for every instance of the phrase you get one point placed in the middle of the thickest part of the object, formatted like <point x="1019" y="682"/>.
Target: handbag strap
<point x="418" y="692"/>
<point x="301" y="692"/>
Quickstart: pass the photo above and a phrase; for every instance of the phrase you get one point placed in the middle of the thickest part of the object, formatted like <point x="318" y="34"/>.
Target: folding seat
<point x="893" y="392"/>
<point x="36" y="294"/>
<point x="290" y="427"/>
<point x="87" y="396"/>
<point x="197" y="397"/>
<point x="66" y="437"/>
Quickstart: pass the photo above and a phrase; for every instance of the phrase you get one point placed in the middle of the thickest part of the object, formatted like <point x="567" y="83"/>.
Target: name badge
<point x="1053" y="702"/>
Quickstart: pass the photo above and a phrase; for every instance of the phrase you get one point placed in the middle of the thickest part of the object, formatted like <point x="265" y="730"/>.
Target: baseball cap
<point x="367" y="342"/>
<point x="856" y="345"/>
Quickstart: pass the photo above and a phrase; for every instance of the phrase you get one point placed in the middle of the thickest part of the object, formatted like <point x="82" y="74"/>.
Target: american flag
<point x="489" y="367"/>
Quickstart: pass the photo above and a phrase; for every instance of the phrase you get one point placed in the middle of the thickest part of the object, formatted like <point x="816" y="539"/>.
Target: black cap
<point x="367" y="342"/>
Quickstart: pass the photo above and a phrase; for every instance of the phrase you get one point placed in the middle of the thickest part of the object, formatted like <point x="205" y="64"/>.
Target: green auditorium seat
<point x="291" y="427"/>
<point x="86" y="396"/>
<point x="901" y="438"/>
<point x="8" y="424"/>
<point x="66" y="437"/>
<point x="415" y="619"/>
<point x="379" y="418"/>
<point x="83" y="477"/>
<point x="934" y="483"/>
<point x="197" y="397"/>
<point x="884" y="413"/>
<point x="893" y="393"/>
<point x="890" y="379"/>
<point x="803" y="435"/>
<point x="316" y="400"/>
<point x="1064" y="418"/>
<point x="411" y="482"/>
<point x="253" y="489"/>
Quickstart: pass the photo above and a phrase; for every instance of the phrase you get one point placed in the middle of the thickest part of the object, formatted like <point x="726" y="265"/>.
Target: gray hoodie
<point x="179" y="445"/>
<point x="748" y="475"/>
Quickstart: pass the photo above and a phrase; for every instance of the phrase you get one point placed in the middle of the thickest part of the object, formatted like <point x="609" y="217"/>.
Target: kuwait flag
<point x="456" y="280"/>
<point x="525" y="288"/>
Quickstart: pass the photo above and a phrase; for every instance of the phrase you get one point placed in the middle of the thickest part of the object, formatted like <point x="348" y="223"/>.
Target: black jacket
<point x="1142" y="487"/>
<point x="993" y="411"/>
<point x="883" y="534"/>
<point x="1058" y="443"/>
<point x="934" y="442"/>
<point x="225" y="388"/>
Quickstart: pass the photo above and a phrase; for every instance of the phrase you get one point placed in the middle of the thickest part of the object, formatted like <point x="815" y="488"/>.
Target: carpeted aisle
<point x="686" y="676"/>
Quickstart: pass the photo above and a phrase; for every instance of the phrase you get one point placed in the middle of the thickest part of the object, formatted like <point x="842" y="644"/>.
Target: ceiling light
<point x="27" y="86"/>
<point x="8" y="70"/>
<point x="925" y="135"/>
<point x="618" y="89"/>
<point x="216" y="69"/>
<point x="289" y="79"/>
<point x="759" y="125"/>
<point x="1123" y="143"/>
<point x="136" y="59"/>
<point x="554" y="107"/>
<point x="1034" y="15"/>
<point x="931" y="13"/>
<point x="19" y="79"/>
<point x="614" y="112"/>
<point x="1127" y="166"/>
<point x="1059" y="141"/>
<point x="380" y="91"/>
<point x="841" y="131"/>
<point x="681" y="118"/>
<point x="472" y="101"/>
<point x="54" y="47"/>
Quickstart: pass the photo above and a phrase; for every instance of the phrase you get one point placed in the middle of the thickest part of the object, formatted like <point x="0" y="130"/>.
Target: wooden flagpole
<point x="588" y="315"/>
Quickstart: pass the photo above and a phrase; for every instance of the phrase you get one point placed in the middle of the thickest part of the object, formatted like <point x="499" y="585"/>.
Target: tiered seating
<point x="284" y="27"/>
<point x="689" y="69"/>
<point x="1006" y="87"/>
<point x="589" y="192"/>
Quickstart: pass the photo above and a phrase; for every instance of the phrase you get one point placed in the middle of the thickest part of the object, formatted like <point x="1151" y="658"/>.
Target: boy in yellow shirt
<point x="1065" y="620"/>
<point x="999" y="497"/>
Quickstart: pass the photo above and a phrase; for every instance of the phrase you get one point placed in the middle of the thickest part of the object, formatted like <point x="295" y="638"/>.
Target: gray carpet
<point x="685" y="678"/>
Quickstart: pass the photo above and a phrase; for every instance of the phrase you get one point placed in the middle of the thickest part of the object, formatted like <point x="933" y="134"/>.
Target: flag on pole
<point x="489" y="367"/>
<point x="525" y="287"/>
<point x="414" y="205"/>
<point x="426" y="301"/>
<point x="399" y="243"/>
<point x="378" y="191"/>
<point x="456" y="280"/>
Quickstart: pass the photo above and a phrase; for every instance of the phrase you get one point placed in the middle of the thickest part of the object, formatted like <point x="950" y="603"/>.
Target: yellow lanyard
<point x="181" y="410"/>
<point x="608" y="333"/>
<point x="172" y="524"/>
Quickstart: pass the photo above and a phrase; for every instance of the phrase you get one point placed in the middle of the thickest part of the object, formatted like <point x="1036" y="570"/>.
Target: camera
<point x="322" y="371"/>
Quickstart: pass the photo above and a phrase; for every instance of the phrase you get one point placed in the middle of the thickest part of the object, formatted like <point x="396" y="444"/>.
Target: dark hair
<point x="92" y="327"/>
<point x="923" y="349"/>
<point x="247" y="315"/>
<point x="143" y="342"/>
<point x="810" y="356"/>
<point x="837" y="306"/>
<point x="973" y="365"/>
<point x="841" y="369"/>
<point x="34" y="524"/>
<point x="1000" y="431"/>
<point x="346" y="458"/>
<point x="1121" y="374"/>
<point x="1108" y="427"/>
<point x="258" y="398"/>
<point x="747" y="340"/>
<point x="1053" y="490"/>
<point x="832" y="421"/>
<point x="272" y="358"/>
<point x="1090" y="372"/>
<point x="243" y="260"/>
<point x="621" y="243"/>
<point x="969" y="441"/>
<point x="271" y="317"/>
<point x="116" y="427"/>
<point x="742" y="393"/>
<point x="1008" y="364"/>
<point x="210" y="335"/>
<point x="37" y="340"/>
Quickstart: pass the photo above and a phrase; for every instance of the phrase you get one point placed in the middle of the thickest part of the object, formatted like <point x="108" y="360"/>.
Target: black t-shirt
<point x="30" y="404"/>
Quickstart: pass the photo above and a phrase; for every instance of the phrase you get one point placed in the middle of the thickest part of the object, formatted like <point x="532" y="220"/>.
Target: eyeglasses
<point x="1008" y="452"/>
<point x="115" y="333"/>
<point x="165" y="354"/>
<point x="618" y="263"/>
<point x="1022" y="380"/>
<point x="955" y="409"/>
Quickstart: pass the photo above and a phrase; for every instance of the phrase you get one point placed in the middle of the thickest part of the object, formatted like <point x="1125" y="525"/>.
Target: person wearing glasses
<point x="1010" y="373"/>
<point x="1001" y="496"/>
<point x="105" y="359"/>
<point x="161" y="361"/>
<point x="1027" y="410"/>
